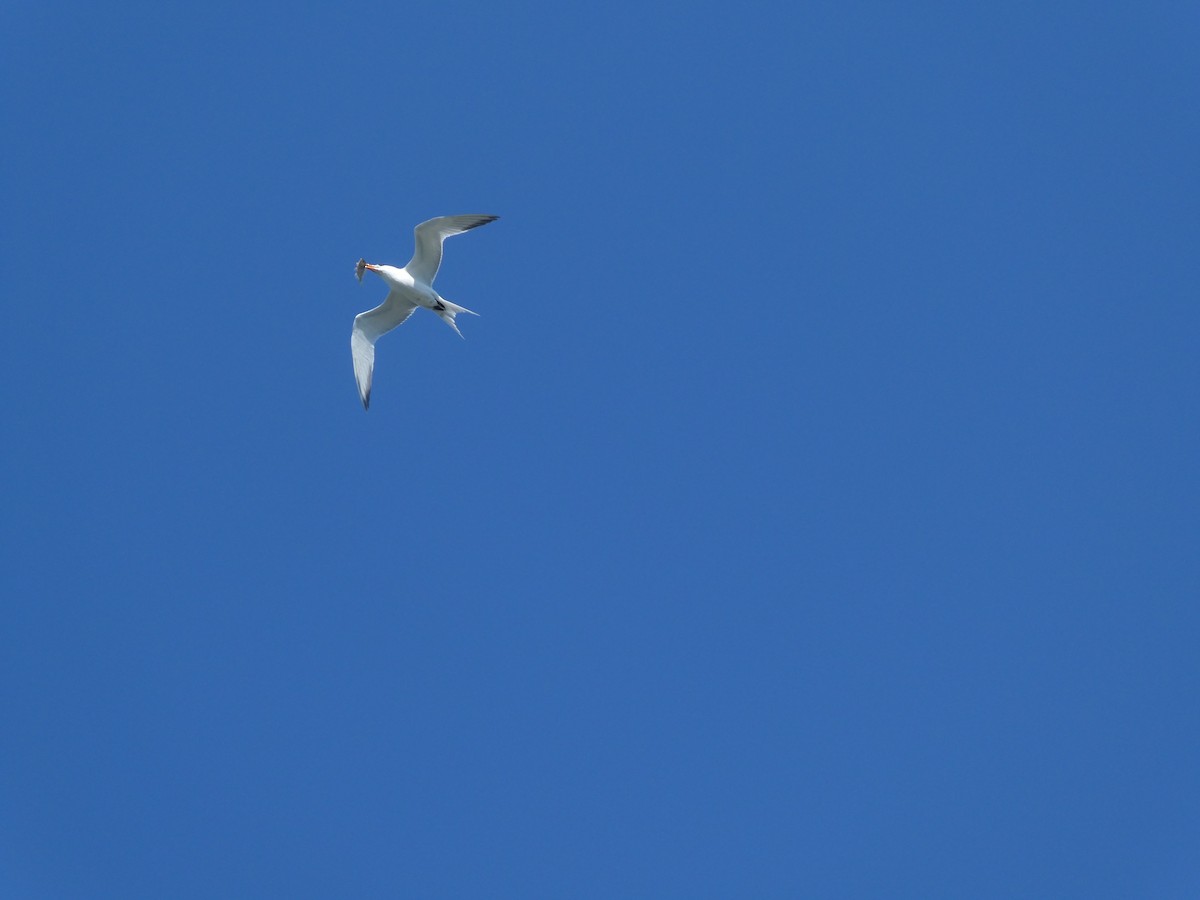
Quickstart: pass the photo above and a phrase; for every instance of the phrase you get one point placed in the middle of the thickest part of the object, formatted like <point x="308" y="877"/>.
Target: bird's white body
<point x="408" y="288"/>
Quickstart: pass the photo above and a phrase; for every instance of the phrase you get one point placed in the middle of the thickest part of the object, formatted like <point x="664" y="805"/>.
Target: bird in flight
<point x="408" y="288"/>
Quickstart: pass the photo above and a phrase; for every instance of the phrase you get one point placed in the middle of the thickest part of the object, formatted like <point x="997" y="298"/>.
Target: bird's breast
<point x="421" y="294"/>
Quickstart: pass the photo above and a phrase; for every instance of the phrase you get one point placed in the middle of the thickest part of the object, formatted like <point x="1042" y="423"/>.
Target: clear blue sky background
<point x="812" y="511"/>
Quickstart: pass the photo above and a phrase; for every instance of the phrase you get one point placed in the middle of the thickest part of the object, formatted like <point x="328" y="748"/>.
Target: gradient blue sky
<point x="813" y="510"/>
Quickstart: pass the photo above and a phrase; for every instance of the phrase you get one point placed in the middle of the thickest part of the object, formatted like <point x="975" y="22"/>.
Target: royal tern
<point x="408" y="288"/>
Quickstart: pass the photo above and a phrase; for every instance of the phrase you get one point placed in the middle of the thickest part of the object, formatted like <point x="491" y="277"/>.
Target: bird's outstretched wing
<point x="429" y="236"/>
<point x="368" y="327"/>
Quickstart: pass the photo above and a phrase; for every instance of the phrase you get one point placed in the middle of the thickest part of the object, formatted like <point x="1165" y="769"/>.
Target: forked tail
<point x="449" y="311"/>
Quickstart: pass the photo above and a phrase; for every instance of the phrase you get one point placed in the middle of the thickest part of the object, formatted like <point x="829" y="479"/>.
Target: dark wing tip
<point x="482" y="220"/>
<point x="366" y="399"/>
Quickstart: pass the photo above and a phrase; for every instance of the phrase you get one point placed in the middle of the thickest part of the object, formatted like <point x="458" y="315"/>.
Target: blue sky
<point x="812" y="510"/>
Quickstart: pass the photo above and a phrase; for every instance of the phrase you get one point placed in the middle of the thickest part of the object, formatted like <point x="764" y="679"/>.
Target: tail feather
<point x="452" y="310"/>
